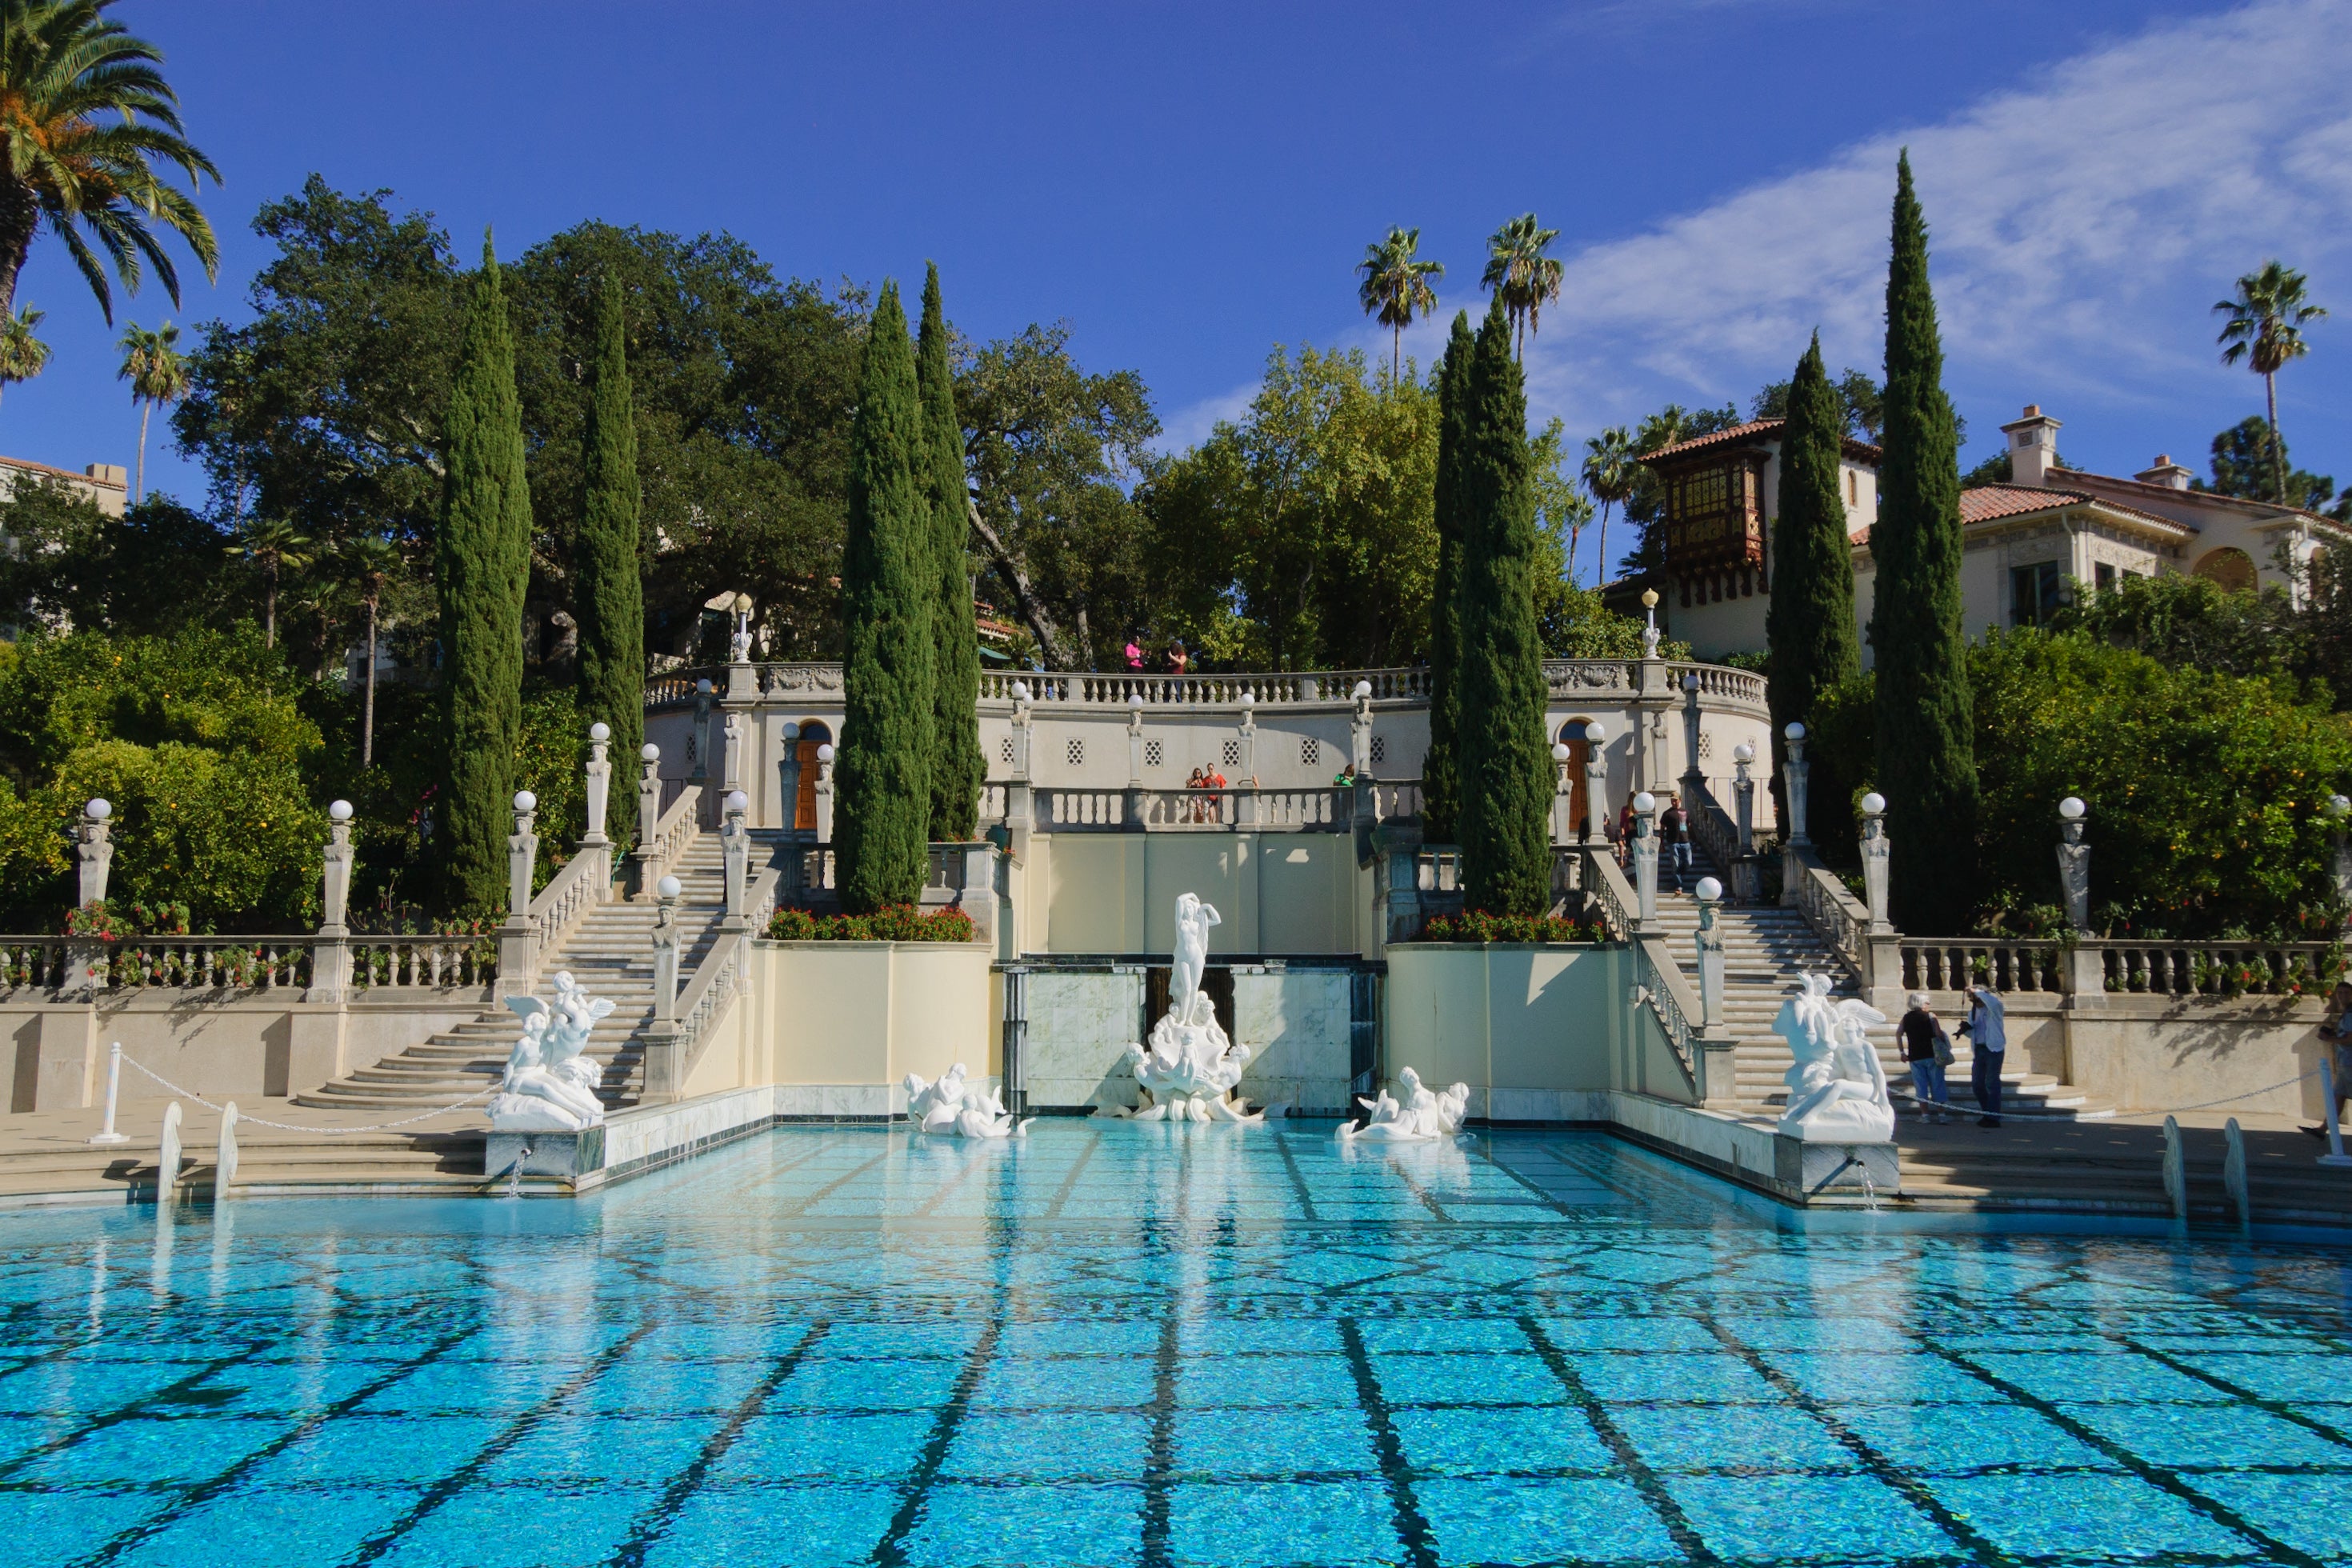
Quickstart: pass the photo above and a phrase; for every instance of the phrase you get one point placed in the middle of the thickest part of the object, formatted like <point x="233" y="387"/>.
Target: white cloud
<point x="1191" y="425"/>
<point x="2081" y="225"/>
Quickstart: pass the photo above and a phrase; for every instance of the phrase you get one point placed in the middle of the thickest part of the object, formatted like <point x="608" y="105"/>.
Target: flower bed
<point x="900" y="922"/>
<point x="1477" y="925"/>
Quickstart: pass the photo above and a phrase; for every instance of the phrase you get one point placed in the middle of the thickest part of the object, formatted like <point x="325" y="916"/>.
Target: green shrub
<point x="894" y="923"/>
<point x="1477" y="925"/>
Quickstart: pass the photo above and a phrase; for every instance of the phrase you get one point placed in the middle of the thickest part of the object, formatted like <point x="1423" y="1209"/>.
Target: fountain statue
<point x="1189" y="1071"/>
<point x="550" y="1083"/>
<point x="1837" y="1089"/>
<point x="951" y="1107"/>
<point x="1421" y="1117"/>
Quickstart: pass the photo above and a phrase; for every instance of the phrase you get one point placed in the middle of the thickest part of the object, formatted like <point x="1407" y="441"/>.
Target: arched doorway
<point x="2233" y="569"/>
<point x="814" y="734"/>
<point x="1580" y="752"/>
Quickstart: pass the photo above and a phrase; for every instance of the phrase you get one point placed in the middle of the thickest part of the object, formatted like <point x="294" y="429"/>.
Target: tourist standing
<point x="1673" y="837"/>
<point x="1625" y="836"/>
<point x="1926" y="1048"/>
<point x="1178" y="660"/>
<point x="1134" y="656"/>
<point x="1988" y="1032"/>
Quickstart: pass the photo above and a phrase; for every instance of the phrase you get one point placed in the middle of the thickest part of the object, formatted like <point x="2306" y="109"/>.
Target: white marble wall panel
<point x="1295" y="1023"/>
<point x="1080" y="1026"/>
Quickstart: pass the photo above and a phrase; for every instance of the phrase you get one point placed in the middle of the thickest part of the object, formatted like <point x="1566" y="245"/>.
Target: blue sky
<point x="1189" y="185"/>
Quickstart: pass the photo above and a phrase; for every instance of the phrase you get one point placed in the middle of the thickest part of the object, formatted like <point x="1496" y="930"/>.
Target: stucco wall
<point x="848" y="1014"/>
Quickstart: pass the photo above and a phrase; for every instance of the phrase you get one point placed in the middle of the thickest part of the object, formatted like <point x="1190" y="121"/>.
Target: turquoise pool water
<point x="1131" y="1344"/>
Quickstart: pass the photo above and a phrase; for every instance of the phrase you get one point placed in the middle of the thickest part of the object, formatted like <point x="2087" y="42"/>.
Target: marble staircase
<point x="1765" y="949"/>
<point x="611" y="953"/>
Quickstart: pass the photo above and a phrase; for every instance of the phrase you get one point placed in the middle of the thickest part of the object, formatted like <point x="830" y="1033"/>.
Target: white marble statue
<point x="1421" y="1116"/>
<point x="1189" y="1071"/>
<point x="1837" y="1089"/>
<point x="540" y="1093"/>
<point x="952" y="1107"/>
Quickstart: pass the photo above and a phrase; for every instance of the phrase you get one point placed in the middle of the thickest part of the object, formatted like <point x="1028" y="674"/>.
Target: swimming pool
<point x="1114" y="1343"/>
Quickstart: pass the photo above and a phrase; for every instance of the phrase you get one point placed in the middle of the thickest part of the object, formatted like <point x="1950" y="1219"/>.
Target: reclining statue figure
<point x="1421" y="1117"/>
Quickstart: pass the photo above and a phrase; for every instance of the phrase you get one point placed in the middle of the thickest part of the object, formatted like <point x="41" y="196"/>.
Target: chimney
<point x="2033" y="447"/>
<point x="2172" y="476"/>
<point x="113" y="474"/>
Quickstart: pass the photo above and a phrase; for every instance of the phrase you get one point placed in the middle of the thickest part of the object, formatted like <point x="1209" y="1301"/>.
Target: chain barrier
<point x="292" y="1127"/>
<point x="1945" y="1108"/>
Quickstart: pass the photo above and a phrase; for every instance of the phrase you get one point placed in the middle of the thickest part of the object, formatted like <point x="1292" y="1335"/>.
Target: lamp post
<point x="1873" y="860"/>
<point x="94" y="850"/>
<point x="1563" y="795"/>
<point x="1596" y="782"/>
<point x="2075" y="863"/>
<point x="824" y="754"/>
<point x="1646" y="859"/>
<point x="649" y="817"/>
<point x="330" y="955"/>
<point x="517" y="947"/>
<point x="1793" y="785"/>
<point x="1693" y="775"/>
<point x="1745" y="882"/>
<point x="735" y="854"/>
<point x="1710" y="954"/>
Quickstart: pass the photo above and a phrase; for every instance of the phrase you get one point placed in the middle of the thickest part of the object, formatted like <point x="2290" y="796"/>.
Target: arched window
<point x="1572" y="735"/>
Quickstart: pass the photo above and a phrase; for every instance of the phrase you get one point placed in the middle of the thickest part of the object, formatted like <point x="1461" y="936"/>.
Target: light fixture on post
<point x="2075" y="863"/>
<point x="1793" y="785"/>
<point x="1873" y="860"/>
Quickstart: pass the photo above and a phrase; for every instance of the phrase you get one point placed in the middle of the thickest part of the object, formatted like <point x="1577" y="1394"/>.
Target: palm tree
<point x="23" y="356"/>
<point x="1519" y="272"/>
<point x="62" y="67"/>
<point x="1610" y="474"/>
<point x="368" y="563"/>
<point x="2265" y="328"/>
<point x="272" y="544"/>
<point x="1396" y="287"/>
<point x="158" y="373"/>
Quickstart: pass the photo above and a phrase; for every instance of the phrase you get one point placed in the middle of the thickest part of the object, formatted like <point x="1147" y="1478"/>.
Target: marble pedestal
<point x="566" y="1154"/>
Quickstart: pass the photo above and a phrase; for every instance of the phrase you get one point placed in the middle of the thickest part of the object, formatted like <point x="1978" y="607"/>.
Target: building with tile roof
<point x="2027" y="543"/>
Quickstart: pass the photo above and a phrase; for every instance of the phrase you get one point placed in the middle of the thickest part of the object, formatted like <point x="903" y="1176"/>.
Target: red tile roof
<point x="1752" y="431"/>
<point x="1988" y="504"/>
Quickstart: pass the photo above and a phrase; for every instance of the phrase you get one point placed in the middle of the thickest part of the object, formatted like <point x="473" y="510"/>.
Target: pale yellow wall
<point x="869" y="1013"/>
<point x="1502" y="1017"/>
<point x="1273" y="892"/>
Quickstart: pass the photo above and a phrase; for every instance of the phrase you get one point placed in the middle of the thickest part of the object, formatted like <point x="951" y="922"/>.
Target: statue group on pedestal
<point x="1837" y="1089"/>
<point x="952" y="1105"/>
<point x="550" y="1084"/>
<point x="1421" y="1117"/>
<point x="1189" y="1071"/>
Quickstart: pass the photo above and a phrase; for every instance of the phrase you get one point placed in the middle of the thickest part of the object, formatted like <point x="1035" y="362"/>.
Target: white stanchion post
<point x="106" y="1134"/>
<point x="2335" y="1154"/>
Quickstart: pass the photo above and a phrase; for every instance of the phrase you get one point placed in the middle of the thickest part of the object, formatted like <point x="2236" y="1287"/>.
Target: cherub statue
<point x="1837" y="1087"/>
<point x="534" y="1096"/>
<point x="575" y="1014"/>
<point x="1421" y="1117"/>
<point x="952" y="1105"/>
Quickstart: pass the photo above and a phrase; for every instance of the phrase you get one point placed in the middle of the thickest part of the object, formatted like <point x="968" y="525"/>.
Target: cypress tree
<point x="1505" y="764"/>
<point x="957" y="767"/>
<point x="1927" y="756"/>
<point x="610" y="592"/>
<point x="1441" y="785"/>
<point x="482" y="561"/>
<point x="1809" y="619"/>
<point x="882" y="800"/>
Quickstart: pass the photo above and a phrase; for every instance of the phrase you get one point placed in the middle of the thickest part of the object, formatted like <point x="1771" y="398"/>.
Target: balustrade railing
<point x="680" y="825"/>
<point x="1723" y="683"/>
<point x="2141" y="968"/>
<point x="34" y="962"/>
<point x="579" y="885"/>
<point x="381" y="964"/>
<point x="1836" y="915"/>
<point x="1437" y="870"/>
<point x="1720" y="685"/>
<point x="1714" y="827"/>
<point x="1669" y="995"/>
<point x="1613" y="894"/>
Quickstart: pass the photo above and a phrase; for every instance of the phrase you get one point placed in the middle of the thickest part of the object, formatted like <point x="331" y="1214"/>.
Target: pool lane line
<point x="130" y="1410"/>
<point x="1160" y="1460"/>
<point x="1889" y="1474"/>
<point x="456" y="1482"/>
<point x="204" y="1491"/>
<point x="657" y="1519"/>
<point x="1070" y="1179"/>
<point x="1298" y="1177"/>
<point x="788" y="1210"/>
<point x="1637" y="1470"/>
<point x="2279" y="1555"/>
<point x="1404" y="1508"/>
<point x="2284" y="1412"/>
<point x="891" y="1552"/>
